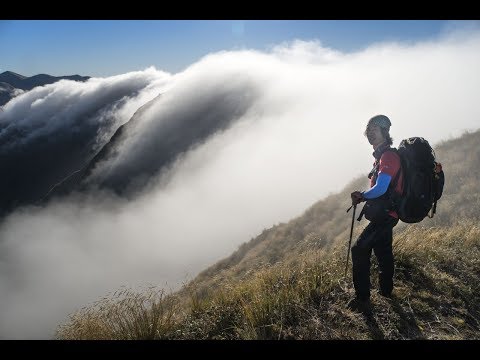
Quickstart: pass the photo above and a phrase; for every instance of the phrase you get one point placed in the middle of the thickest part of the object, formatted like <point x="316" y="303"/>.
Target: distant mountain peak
<point x="11" y="73"/>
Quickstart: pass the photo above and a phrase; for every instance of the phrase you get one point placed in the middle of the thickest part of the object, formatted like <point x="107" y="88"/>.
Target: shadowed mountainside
<point x="7" y="92"/>
<point x="74" y="180"/>
<point x="39" y="166"/>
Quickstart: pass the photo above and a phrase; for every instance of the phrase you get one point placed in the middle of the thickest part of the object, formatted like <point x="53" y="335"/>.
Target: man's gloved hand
<point x="357" y="197"/>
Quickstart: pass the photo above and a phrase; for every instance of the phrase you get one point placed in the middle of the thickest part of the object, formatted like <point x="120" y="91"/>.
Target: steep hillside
<point x="327" y="223"/>
<point x="14" y="79"/>
<point x="436" y="296"/>
<point x="74" y="180"/>
<point x="288" y="283"/>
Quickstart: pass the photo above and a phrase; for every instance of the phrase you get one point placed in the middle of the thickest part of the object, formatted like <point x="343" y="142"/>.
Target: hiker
<point x="385" y="180"/>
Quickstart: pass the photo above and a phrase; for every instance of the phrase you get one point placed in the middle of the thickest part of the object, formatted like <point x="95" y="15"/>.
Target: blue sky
<point x="110" y="47"/>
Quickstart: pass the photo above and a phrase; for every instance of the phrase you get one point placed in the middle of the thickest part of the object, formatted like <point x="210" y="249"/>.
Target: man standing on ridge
<point x="385" y="180"/>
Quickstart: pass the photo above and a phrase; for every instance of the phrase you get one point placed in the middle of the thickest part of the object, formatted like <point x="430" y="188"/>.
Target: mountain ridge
<point x="26" y="83"/>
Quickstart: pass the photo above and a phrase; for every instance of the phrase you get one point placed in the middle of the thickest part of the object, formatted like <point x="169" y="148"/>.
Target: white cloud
<point x="310" y="52"/>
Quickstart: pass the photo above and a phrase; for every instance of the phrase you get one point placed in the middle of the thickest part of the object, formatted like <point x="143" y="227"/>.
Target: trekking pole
<point x="351" y="233"/>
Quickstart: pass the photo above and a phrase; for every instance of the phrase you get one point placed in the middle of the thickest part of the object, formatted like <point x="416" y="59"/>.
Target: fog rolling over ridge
<point x="237" y="142"/>
<point x="169" y="127"/>
<point x="53" y="130"/>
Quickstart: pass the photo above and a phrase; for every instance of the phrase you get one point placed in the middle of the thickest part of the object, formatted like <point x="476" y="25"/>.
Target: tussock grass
<point x="126" y="314"/>
<point x="436" y="296"/>
<point x="439" y="272"/>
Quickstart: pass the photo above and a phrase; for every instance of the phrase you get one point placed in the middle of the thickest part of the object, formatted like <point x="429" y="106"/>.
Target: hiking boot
<point x="386" y="294"/>
<point x="361" y="305"/>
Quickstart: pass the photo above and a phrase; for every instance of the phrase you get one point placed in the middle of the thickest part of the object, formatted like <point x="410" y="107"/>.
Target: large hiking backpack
<point x="423" y="180"/>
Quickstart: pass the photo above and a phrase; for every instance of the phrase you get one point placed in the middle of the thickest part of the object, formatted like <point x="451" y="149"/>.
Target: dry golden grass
<point x="436" y="296"/>
<point x="126" y="314"/>
<point x="325" y="224"/>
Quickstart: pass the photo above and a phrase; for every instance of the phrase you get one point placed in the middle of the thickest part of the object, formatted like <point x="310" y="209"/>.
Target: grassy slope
<point x="436" y="296"/>
<point x="288" y="282"/>
<point x="326" y="223"/>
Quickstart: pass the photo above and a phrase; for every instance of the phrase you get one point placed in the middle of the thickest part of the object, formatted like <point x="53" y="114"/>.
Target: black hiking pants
<point x="377" y="236"/>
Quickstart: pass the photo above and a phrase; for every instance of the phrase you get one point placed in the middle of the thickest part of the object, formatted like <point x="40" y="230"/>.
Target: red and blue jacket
<point x="386" y="167"/>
